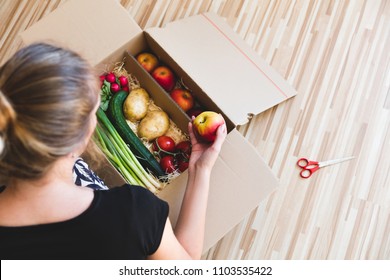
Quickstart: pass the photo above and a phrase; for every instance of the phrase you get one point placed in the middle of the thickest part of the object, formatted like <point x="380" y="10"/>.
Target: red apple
<point x="165" y="77"/>
<point x="183" y="98"/>
<point x="148" y="61"/>
<point x="194" y="112"/>
<point x="206" y="125"/>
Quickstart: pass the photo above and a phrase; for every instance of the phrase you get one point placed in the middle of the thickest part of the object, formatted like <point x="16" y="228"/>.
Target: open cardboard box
<point x="225" y="74"/>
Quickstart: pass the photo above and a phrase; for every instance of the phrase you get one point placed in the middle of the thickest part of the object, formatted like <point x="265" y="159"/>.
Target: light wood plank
<point x="337" y="55"/>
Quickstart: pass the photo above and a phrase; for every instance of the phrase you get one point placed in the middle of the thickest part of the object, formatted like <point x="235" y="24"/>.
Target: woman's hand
<point x="204" y="155"/>
<point x="190" y="224"/>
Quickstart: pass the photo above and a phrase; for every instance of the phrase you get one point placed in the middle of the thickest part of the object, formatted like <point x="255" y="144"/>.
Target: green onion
<point x="120" y="155"/>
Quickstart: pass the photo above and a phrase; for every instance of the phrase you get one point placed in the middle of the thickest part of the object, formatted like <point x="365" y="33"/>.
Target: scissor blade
<point x="334" y="161"/>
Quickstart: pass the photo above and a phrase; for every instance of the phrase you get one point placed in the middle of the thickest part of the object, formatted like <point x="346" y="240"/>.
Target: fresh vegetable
<point x="114" y="87"/>
<point x="115" y="114"/>
<point x="183" y="151"/>
<point x="123" y="81"/>
<point x="110" y="85"/>
<point x="121" y="156"/>
<point x="136" y="105"/>
<point x="180" y="154"/>
<point x="105" y="94"/>
<point x="184" y="148"/>
<point x="102" y="79"/>
<point x="168" y="163"/>
<point x="110" y="77"/>
<point x="182" y="163"/>
<point x="153" y="125"/>
<point x="163" y="144"/>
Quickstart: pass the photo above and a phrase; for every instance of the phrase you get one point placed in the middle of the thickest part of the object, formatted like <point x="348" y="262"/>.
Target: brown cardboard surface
<point x="159" y="96"/>
<point x="186" y="80"/>
<point x="223" y="65"/>
<point x="86" y="26"/>
<point x="235" y="184"/>
<point x="239" y="181"/>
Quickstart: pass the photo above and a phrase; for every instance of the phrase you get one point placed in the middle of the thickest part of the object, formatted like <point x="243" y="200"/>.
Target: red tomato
<point x="168" y="164"/>
<point x="184" y="148"/>
<point x="182" y="163"/>
<point x="164" y="144"/>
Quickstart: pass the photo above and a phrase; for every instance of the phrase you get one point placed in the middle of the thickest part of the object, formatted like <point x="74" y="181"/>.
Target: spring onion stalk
<point x="125" y="152"/>
<point x="122" y="163"/>
<point x="109" y="150"/>
<point x="122" y="148"/>
<point x="120" y="155"/>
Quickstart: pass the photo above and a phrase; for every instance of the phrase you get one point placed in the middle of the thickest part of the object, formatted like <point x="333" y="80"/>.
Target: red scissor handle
<point x="308" y="167"/>
<point x="304" y="162"/>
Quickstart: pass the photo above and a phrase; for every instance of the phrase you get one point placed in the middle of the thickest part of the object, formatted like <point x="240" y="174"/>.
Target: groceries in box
<point x="222" y="73"/>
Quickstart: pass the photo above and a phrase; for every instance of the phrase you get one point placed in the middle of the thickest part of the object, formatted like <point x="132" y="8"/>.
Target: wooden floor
<point x="337" y="55"/>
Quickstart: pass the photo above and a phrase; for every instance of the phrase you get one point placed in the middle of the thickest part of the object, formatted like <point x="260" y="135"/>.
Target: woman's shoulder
<point x="132" y="194"/>
<point x="136" y="202"/>
<point x="126" y="189"/>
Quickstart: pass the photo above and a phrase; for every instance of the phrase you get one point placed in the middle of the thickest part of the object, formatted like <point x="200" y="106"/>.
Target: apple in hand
<point x="206" y="125"/>
<point x="148" y="61"/>
<point x="165" y="77"/>
<point x="183" y="98"/>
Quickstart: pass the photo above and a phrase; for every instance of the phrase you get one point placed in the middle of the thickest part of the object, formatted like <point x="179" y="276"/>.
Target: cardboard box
<point x="225" y="74"/>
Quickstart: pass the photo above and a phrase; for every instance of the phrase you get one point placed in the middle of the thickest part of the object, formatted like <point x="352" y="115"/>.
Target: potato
<point x="153" y="125"/>
<point x="136" y="105"/>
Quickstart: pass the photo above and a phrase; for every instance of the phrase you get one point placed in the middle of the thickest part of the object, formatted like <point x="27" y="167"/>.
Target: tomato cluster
<point x="172" y="157"/>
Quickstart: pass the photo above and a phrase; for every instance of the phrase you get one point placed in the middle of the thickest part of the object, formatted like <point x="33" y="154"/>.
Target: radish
<point x="123" y="81"/>
<point x="115" y="87"/>
<point x="102" y="78"/>
<point x="110" y="77"/>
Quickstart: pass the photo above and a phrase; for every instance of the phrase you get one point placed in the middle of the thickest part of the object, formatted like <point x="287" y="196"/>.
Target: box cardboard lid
<point x="95" y="29"/>
<point x="227" y="69"/>
<point x="236" y="188"/>
<point x="240" y="180"/>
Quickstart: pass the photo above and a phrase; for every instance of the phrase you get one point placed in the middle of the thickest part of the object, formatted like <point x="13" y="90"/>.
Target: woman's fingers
<point x="221" y="135"/>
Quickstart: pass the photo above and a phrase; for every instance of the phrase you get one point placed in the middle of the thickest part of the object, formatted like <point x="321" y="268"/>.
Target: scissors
<point x="309" y="167"/>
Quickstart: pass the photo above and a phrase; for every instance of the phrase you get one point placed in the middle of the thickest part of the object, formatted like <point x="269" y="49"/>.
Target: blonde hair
<point x="47" y="95"/>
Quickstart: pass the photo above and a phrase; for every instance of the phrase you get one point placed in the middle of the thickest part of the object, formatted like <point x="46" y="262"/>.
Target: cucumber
<point x="145" y="157"/>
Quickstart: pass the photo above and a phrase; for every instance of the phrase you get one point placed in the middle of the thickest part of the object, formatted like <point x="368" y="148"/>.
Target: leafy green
<point x="105" y="95"/>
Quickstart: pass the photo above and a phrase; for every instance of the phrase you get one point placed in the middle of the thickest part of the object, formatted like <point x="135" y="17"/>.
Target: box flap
<point x="223" y="65"/>
<point x="240" y="180"/>
<point x="85" y="26"/>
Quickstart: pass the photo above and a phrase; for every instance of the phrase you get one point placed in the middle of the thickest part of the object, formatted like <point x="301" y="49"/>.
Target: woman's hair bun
<point x="7" y="115"/>
<point x="47" y="101"/>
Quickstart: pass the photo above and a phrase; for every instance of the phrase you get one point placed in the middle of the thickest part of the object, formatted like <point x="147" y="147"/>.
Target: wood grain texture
<point x="337" y="55"/>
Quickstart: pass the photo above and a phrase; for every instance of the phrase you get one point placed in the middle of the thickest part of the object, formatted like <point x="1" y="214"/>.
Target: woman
<point x="48" y="100"/>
